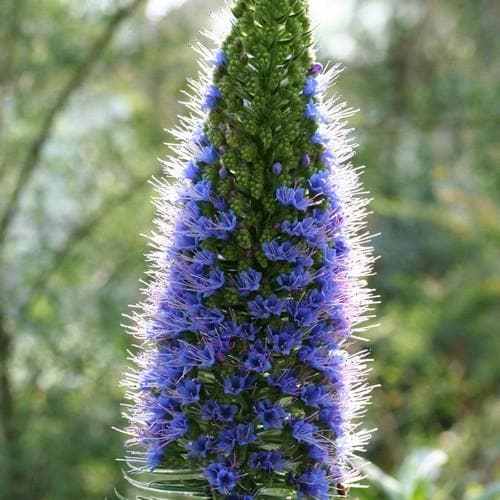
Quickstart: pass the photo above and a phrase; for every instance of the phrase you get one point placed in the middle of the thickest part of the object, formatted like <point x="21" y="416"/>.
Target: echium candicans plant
<point x="245" y="385"/>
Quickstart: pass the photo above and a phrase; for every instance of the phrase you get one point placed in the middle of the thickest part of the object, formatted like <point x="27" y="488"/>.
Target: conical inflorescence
<point x="244" y="381"/>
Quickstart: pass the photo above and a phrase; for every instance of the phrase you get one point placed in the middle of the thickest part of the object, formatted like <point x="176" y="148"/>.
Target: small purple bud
<point x="277" y="168"/>
<point x="222" y="173"/>
<point x="316" y="68"/>
<point x="305" y="161"/>
<point x="223" y="149"/>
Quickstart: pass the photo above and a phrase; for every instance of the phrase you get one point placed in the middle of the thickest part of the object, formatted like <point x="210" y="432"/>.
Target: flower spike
<point x="246" y="379"/>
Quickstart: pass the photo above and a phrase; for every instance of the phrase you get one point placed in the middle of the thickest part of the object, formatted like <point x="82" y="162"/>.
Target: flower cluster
<point x="245" y="376"/>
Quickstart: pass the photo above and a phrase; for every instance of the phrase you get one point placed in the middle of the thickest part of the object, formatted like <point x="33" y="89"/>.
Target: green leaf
<point x="386" y="483"/>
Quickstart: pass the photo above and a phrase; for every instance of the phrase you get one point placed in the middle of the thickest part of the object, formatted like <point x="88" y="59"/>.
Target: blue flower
<point x="199" y="447"/>
<point x="316" y="395"/>
<point x="256" y="361"/>
<point x="234" y="384"/>
<point x="276" y="251"/>
<point x="178" y="427"/>
<point x="271" y="415"/>
<point x="202" y="190"/>
<point x="216" y="281"/>
<point x="304" y="432"/>
<point x="268" y="461"/>
<point x="222" y="478"/>
<point x="208" y="155"/>
<point x="204" y="257"/>
<point x="296" y="280"/>
<point x="225" y="225"/>
<point x="209" y="410"/>
<point x="220" y="58"/>
<point x="318" y="182"/>
<point x="313" y="484"/>
<point x="287" y="339"/>
<point x="319" y="138"/>
<point x="227" y="440"/>
<point x="248" y="281"/>
<point x="334" y="418"/>
<point x="189" y="391"/>
<point x="154" y="455"/>
<point x="211" y="98"/>
<point x="317" y="453"/>
<point x="312" y="110"/>
<point x="258" y="309"/>
<point x="286" y="380"/>
<point x="245" y="434"/>
<point x="192" y="170"/>
<point x="312" y="86"/>
<point x="226" y="412"/>
<point x="293" y="197"/>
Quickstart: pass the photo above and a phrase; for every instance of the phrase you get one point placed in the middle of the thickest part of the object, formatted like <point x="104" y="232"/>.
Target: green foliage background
<point x="86" y="88"/>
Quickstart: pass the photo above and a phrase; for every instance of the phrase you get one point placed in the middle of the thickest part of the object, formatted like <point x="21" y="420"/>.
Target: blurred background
<point x="86" y="88"/>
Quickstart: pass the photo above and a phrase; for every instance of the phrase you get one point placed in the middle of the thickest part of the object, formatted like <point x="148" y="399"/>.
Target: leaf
<point x="389" y="485"/>
<point x="423" y="465"/>
<point x="492" y="492"/>
<point x="284" y="493"/>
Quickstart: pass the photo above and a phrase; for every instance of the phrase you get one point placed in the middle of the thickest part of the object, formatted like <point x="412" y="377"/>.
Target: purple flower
<point x="315" y="68"/>
<point x="305" y="161"/>
<point x="293" y="197"/>
<point x="313" y="484"/>
<point x="222" y="478"/>
<point x="222" y="172"/>
<point x="277" y="168"/>
<point x="249" y="281"/>
<point x="268" y="461"/>
<point x="211" y="98"/>
<point x="271" y="415"/>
